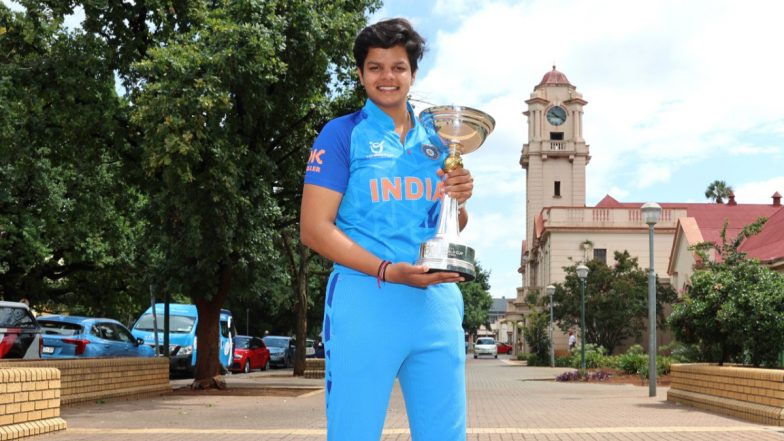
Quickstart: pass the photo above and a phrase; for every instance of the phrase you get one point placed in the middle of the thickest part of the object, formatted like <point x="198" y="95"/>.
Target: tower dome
<point x="554" y="78"/>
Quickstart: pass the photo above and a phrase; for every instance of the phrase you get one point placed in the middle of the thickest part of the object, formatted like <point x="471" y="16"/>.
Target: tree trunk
<point x="207" y="373"/>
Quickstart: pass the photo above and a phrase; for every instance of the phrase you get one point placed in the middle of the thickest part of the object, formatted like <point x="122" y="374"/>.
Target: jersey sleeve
<point x="330" y="157"/>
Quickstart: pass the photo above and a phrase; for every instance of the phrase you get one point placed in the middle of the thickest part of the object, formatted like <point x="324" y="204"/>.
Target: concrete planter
<point x="751" y="394"/>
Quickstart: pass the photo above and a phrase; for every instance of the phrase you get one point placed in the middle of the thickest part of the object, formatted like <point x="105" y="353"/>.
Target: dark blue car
<point x="74" y="336"/>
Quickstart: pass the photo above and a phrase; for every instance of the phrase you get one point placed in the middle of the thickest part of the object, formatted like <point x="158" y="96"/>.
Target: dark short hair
<point x="386" y="34"/>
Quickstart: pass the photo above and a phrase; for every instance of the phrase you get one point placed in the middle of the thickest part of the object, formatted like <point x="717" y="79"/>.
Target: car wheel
<point x="287" y="362"/>
<point x="476" y="356"/>
<point x="266" y="365"/>
<point x="496" y="355"/>
<point x="246" y="369"/>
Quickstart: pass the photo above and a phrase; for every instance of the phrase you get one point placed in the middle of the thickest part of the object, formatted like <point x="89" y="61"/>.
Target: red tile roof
<point x="710" y="217"/>
<point x="769" y="243"/>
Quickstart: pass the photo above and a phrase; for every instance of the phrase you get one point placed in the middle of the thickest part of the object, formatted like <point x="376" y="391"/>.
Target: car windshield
<point x="16" y="318"/>
<point x="276" y="342"/>
<point x="60" y="328"/>
<point x="177" y="323"/>
<point x="242" y="343"/>
<point x="485" y="341"/>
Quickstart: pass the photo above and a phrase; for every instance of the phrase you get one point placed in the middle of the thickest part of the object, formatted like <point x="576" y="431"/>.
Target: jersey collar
<point x="373" y="112"/>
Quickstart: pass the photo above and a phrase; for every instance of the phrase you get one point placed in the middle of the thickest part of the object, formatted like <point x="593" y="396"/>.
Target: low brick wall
<point x="91" y="379"/>
<point x="29" y="402"/>
<point x="314" y="368"/>
<point x="748" y="393"/>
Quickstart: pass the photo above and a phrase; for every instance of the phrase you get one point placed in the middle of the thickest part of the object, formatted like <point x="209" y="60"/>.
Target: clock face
<point x="556" y="115"/>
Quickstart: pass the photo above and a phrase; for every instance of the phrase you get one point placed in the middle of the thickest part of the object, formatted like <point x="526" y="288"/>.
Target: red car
<point x="504" y="348"/>
<point x="250" y="353"/>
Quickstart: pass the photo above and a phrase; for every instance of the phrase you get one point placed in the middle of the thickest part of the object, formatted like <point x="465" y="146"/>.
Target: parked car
<point x="20" y="335"/>
<point x="250" y="353"/>
<point x="485" y="346"/>
<point x="504" y="348"/>
<point x="183" y="320"/>
<point x="67" y="336"/>
<point x="281" y="350"/>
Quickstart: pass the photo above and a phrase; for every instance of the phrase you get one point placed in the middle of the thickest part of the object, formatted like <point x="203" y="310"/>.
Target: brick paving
<point x="505" y="402"/>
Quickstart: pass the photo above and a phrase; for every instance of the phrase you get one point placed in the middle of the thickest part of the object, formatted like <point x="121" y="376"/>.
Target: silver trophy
<point x="461" y="130"/>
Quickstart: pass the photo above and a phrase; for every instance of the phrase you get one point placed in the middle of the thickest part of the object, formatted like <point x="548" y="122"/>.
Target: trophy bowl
<point x="461" y="130"/>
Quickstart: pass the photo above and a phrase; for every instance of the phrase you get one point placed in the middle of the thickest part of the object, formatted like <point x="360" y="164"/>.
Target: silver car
<point x="485" y="346"/>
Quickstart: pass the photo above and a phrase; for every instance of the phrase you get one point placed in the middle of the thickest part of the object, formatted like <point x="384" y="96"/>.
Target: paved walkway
<point x="505" y="402"/>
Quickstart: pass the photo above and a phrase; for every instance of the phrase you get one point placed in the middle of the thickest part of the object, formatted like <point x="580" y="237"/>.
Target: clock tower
<point x="554" y="157"/>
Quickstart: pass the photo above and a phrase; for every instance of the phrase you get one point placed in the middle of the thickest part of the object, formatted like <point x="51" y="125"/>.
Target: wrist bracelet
<point x="382" y="268"/>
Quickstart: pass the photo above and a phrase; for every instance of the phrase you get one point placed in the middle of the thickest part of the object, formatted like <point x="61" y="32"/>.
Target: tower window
<point x="556" y="136"/>
<point x="557" y="189"/>
<point x="600" y="254"/>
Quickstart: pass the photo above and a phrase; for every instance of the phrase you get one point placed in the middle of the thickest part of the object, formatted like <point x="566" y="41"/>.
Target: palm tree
<point x="718" y="190"/>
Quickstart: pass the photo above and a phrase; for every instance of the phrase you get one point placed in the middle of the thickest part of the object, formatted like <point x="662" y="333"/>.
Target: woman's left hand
<point x="459" y="184"/>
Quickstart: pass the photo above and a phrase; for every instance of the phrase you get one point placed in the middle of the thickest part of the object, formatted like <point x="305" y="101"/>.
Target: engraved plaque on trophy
<point x="461" y="130"/>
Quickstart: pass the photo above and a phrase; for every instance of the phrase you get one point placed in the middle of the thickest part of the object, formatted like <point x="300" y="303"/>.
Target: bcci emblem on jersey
<point x="431" y="151"/>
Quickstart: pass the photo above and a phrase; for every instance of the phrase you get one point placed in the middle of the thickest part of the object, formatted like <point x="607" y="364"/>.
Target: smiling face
<point x="387" y="78"/>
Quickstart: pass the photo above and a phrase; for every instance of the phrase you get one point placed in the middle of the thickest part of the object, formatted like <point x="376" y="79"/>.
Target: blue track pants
<point x="371" y="336"/>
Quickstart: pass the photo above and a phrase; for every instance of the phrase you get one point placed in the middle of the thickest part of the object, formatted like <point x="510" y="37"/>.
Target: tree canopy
<point x="476" y="301"/>
<point x="189" y="177"/>
<point x="734" y="307"/>
<point x="718" y="191"/>
<point x="616" y="301"/>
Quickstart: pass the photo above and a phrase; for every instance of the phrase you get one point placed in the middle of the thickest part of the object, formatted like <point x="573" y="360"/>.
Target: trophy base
<point x="440" y="256"/>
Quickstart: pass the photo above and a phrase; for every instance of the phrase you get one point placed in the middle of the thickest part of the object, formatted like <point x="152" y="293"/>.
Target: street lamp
<point x="550" y="291"/>
<point x="651" y="212"/>
<point x="582" y="273"/>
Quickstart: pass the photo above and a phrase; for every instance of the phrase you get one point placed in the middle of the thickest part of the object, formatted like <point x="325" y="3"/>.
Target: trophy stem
<point x="448" y="220"/>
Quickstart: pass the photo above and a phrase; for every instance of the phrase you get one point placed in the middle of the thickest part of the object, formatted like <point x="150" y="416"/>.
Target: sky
<point x="680" y="93"/>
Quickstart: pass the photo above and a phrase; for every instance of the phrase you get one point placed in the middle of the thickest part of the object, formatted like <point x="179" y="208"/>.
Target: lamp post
<point x="651" y="212"/>
<point x="550" y="291"/>
<point x="582" y="274"/>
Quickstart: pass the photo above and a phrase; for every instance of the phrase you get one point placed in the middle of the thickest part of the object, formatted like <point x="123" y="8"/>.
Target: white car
<point x="485" y="346"/>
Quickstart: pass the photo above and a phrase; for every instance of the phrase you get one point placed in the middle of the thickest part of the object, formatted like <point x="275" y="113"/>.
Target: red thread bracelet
<point x="381" y="269"/>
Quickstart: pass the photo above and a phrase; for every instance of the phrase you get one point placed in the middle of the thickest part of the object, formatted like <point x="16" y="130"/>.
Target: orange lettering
<point x="437" y="192"/>
<point x="413" y="188"/>
<point x="315" y="156"/>
<point x="374" y="190"/>
<point x="388" y="189"/>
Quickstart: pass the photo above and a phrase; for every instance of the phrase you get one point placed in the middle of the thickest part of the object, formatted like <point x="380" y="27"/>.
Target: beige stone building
<point x="562" y="231"/>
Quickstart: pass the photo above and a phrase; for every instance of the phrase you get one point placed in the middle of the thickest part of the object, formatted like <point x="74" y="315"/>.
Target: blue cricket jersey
<point x="390" y="191"/>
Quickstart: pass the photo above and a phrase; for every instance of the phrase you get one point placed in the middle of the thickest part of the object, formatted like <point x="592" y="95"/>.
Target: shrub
<point x="537" y="360"/>
<point x="595" y="357"/>
<point x="633" y="360"/>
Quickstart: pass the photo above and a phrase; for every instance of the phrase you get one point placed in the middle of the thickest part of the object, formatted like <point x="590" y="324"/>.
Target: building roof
<point x="710" y="217"/>
<point x="768" y="245"/>
<point x="554" y="78"/>
<point x="499" y="305"/>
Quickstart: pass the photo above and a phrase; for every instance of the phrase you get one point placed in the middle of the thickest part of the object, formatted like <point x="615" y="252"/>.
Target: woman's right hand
<point x="417" y="275"/>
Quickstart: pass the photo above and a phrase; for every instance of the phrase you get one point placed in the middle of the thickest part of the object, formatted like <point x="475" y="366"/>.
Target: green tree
<point x="69" y="221"/>
<point x="227" y="110"/>
<point x="616" y="301"/>
<point x="538" y="337"/>
<point x="476" y="301"/>
<point x="192" y="178"/>
<point x="734" y="308"/>
<point x="718" y="191"/>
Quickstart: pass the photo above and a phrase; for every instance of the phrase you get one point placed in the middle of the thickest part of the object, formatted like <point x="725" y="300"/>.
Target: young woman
<point x="372" y="194"/>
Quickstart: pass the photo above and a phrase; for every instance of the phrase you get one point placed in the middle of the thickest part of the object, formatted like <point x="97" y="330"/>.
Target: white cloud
<point x="759" y="192"/>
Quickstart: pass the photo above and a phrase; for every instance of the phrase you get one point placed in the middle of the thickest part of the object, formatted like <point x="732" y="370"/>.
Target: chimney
<point x="732" y="202"/>
<point x="776" y="199"/>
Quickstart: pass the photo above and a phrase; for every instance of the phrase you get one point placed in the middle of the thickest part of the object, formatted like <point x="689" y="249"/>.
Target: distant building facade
<point x="562" y="231"/>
